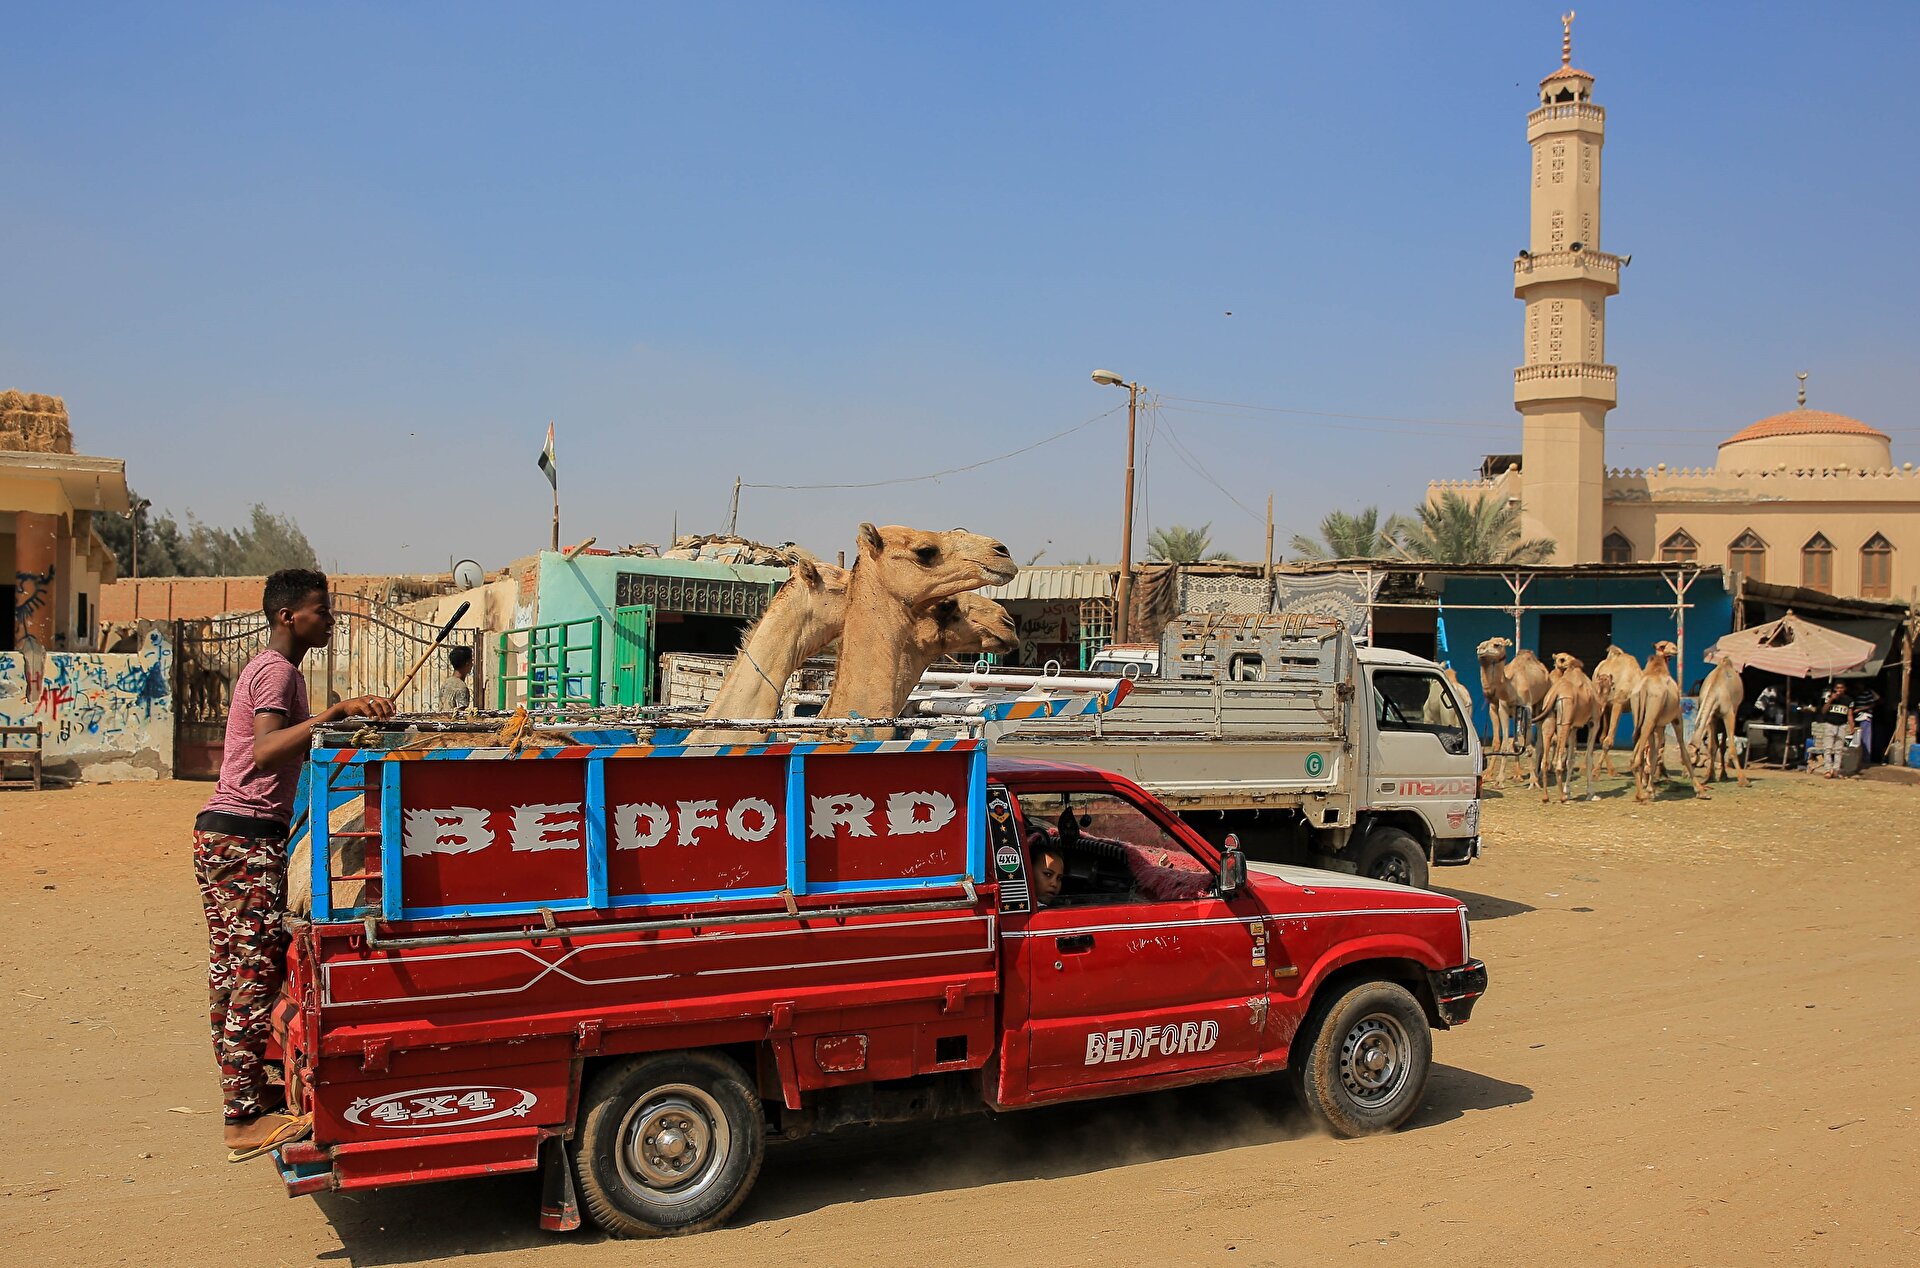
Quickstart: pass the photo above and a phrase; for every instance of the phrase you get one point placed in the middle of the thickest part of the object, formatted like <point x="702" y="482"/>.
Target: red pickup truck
<point x="631" y="963"/>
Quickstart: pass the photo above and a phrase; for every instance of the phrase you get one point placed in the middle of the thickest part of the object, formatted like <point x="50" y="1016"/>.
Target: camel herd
<point x="1522" y="694"/>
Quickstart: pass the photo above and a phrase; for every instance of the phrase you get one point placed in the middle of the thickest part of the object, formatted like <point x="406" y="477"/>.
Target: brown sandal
<point x="285" y="1132"/>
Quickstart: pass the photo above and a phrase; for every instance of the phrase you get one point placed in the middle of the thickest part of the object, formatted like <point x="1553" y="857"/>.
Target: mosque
<point x="1806" y="497"/>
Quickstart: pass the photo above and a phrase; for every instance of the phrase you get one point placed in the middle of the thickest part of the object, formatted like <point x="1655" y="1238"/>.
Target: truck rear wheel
<point x="1366" y="1069"/>
<point x="669" y="1144"/>
<point x="1388" y="854"/>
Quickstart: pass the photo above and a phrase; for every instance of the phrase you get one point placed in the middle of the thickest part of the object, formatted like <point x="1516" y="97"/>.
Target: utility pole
<point x="139" y="505"/>
<point x="733" y="511"/>
<point x="1269" y="546"/>
<point x="1123" y="624"/>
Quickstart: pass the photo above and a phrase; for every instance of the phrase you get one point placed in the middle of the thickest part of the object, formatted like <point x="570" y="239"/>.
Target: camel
<point x="1713" y="728"/>
<point x="1656" y="706"/>
<point x="1615" y="680"/>
<point x="1501" y="703"/>
<point x="1571" y="703"/>
<point x="803" y="619"/>
<point x="899" y="573"/>
<point x="1530" y="685"/>
<point x="966" y="623"/>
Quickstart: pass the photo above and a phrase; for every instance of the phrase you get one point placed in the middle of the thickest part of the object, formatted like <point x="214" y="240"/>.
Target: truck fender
<point x="1399" y="957"/>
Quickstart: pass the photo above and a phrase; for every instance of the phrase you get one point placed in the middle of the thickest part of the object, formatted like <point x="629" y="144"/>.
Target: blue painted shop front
<point x="1573" y="613"/>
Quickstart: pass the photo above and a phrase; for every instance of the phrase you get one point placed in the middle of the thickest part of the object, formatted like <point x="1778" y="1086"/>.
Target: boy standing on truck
<point x="239" y="854"/>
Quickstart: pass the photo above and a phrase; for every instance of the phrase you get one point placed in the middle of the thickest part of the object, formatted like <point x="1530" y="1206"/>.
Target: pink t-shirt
<point x="269" y="684"/>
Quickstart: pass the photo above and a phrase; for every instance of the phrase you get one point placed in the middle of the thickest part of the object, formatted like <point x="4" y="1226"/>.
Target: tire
<point x="703" y="1105"/>
<point x="1366" y="1069"/>
<point x="1388" y="854"/>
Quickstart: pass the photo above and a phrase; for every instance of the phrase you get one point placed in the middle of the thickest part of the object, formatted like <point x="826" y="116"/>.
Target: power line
<point x="936" y="475"/>
<point x="1194" y="464"/>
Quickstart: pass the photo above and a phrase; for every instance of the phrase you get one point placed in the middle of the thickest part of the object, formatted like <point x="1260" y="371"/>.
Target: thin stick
<point x="438" y="639"/>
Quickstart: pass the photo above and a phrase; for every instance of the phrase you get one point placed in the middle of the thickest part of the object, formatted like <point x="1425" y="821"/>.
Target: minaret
<point x="1565" y="388"/>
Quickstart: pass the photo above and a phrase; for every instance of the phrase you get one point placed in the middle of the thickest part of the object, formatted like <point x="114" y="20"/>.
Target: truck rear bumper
<point x="1458" y="989"/>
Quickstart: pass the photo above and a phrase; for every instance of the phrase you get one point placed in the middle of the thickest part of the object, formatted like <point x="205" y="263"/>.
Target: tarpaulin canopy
<point x="1795" y="648"/>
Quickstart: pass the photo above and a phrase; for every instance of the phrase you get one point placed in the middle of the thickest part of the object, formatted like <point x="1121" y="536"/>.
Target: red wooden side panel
<point x="884" y="816"/>
<point x="487" y="833"/>
<point x="696" y="825"/>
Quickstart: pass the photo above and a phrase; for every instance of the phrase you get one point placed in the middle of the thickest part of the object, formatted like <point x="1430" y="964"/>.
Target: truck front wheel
<point x="1388" y="854"/>
<point x="1367" y="1067"/>
<point x="669" y="1144"/>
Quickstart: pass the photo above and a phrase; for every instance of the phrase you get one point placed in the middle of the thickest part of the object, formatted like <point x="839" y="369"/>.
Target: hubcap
<point x="1375" y="1059"/>
<point x="672" y="1144"/>
<point x="1393" y="868"/>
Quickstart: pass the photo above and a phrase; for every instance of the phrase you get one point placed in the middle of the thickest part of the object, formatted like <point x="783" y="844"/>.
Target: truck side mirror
<point x="1233" y="868"/>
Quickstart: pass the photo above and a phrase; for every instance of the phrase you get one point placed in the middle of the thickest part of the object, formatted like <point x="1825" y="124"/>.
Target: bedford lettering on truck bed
<point x="629" y="963"/>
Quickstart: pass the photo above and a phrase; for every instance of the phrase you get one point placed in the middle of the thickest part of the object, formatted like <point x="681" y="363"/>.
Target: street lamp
<point x="1107" y="378"/>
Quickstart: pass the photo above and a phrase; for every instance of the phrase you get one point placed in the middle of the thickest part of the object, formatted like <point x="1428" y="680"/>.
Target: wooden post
<point x="733" y="511"/>
<point x="1269" y="550"/>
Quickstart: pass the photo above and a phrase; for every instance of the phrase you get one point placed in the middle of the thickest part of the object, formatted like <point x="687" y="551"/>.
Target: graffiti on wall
<point x="94" y="707"/>
<point x="1048" y="631"/>
<point x="31" y="592"/>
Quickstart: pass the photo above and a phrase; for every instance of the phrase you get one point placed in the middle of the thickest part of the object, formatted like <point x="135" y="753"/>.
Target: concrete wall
<point x="1709" y="616"/>
<point x="103" y="716"/>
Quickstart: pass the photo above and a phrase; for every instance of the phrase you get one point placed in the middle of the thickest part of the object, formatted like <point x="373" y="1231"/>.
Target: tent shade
<point x="1795" y="648"/>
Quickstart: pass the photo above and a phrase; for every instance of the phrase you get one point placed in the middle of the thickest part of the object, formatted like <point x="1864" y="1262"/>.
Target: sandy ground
<point x="1699" y="1048"/>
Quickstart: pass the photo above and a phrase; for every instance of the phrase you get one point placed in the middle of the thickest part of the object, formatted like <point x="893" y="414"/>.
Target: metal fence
<point x="373" y="646"/>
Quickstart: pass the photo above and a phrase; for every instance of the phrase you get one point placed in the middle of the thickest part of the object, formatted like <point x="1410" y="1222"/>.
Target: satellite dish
<point x="468" y="575"/>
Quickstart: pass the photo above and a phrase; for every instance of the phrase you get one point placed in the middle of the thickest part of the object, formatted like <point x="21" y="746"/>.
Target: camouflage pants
<point x="243" y="887"/>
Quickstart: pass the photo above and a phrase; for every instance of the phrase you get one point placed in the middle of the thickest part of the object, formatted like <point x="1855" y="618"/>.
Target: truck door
<point x="1420" y="754"/>
<point x="1135" y="969"/>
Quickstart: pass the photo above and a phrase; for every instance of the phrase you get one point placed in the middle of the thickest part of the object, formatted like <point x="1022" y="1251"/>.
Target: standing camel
<point x="1501" y="701"/>
<point x="1571" y="703"/>
<point x="1720" y="697"/>
<point x="1656" y="706"/>
<point x="1530" y="684"/>
<point x="899" y="573"/>
<point x="1615" y="680"/>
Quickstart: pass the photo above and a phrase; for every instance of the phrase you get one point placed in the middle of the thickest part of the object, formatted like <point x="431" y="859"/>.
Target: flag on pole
<point x="547" y="463"/>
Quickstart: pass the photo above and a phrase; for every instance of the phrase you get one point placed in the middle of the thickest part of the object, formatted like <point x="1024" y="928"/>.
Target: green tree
<point x="265" y="543"/>
<point x="1460" y="530"/>
<point x="1344" y="536"/>
<point x="1179" y="544"/>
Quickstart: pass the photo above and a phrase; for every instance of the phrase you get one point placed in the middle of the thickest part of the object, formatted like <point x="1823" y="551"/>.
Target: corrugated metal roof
<point x="1072" y="581"/>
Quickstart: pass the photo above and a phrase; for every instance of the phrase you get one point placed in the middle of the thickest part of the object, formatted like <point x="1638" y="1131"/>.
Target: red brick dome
<point x="1805" y="422"/>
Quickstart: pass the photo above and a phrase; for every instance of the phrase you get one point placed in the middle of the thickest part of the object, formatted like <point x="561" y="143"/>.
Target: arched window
<point x="1876" y="568"/>
<point x="1616" y="549"/>
<point x="1748" y="555"/>
<point x="1816" y="563"/>
<point x="1679" y="548"/>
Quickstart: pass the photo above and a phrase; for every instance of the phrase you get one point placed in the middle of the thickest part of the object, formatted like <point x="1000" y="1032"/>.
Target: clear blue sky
<point x="348" y="259"/>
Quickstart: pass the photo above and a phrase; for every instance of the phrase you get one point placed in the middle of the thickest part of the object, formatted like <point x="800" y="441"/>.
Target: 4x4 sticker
<point x="440" y="1107"/>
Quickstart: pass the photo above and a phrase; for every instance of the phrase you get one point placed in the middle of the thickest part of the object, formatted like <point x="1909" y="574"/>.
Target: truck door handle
<point x="1075" y="943"/>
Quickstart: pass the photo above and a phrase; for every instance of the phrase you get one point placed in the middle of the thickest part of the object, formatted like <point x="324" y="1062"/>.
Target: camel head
<point x="1563" y="661"/>
<point x="970" y="623"/>
<point x="1665" y="649"/>
<point x="1494" y="650"/>
<point x="920" y="567"/>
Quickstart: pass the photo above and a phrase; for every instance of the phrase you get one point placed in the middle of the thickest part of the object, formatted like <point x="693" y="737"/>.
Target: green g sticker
<point x="1315" y="763"/>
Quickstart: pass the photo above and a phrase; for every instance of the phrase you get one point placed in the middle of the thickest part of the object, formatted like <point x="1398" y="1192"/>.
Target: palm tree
<point x="1344" y="536"/>
<point x="1460" y="530"/>
<point x="1179" y="544"/>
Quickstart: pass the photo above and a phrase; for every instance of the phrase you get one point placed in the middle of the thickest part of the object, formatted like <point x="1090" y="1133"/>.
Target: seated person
<point x="1049" y="868"/>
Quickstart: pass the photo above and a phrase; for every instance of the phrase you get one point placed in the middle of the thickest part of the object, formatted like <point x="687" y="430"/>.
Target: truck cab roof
<point x="1392" y="656"/>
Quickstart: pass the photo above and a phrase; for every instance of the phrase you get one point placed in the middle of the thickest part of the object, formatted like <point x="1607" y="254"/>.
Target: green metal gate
<point x="633" y="654"/>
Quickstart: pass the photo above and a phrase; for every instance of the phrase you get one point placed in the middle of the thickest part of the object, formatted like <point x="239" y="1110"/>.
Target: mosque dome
<point x="1806" y="438"/>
